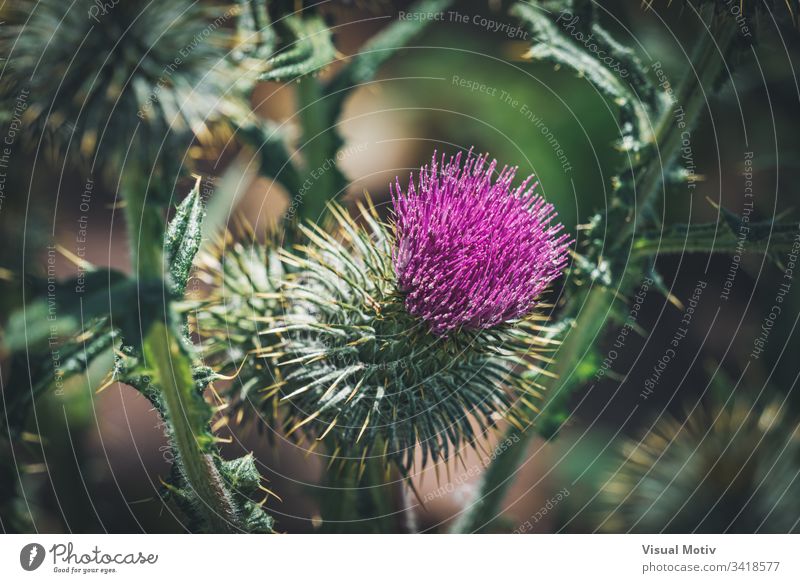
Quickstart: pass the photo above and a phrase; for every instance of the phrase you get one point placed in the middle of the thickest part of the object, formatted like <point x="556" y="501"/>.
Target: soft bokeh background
<point x="105" y="453"/>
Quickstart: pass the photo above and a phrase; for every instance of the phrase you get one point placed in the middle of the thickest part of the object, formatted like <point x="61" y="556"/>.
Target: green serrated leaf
<point x="68" y="325"/>
<point x="256" y="38"/>
<point x="241" y="481"/>
<point x="244" y="480"/>
<point x="307" y="48"/>
<point x="242" y="474"/>
<point x="31" y="374"/>
<point x="182" y="239"/>
<point x="553" y="44"/>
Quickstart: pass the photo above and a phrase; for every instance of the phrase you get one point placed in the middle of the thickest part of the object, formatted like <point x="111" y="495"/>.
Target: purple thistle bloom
<point x="471" y="251"/>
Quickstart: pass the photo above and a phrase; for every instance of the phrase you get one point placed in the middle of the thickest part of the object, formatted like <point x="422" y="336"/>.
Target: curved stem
<point x="171" y="368"/>
<point x="497" y="479"/>
<point x="710" y="53"/>
<point x="690" y="100"/>
<point x="494" y="485"/>
<point x="173" y="375"/>
<point x="324" y="180"/>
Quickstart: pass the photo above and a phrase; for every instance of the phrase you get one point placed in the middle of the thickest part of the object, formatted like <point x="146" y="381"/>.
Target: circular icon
<point x="31" y="556"/>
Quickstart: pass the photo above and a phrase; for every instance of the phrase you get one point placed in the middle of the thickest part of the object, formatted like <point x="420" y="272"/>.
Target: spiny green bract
<point x="242" y="485"/>
<point x="322" y="336"/>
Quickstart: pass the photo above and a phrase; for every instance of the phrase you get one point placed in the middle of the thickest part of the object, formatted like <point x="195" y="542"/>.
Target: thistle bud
<point x="417" y="334"/>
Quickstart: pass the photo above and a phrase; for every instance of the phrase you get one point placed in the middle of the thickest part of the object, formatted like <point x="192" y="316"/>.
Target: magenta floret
<point x="472" y="251"/>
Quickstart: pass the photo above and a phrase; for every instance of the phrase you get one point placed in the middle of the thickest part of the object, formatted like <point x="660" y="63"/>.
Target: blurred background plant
<point x="735" y="458"/>
<point x="284" y="107"/>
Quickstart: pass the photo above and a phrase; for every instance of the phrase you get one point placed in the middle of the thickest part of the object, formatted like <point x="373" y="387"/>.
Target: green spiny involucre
<point x="326" y="335"/>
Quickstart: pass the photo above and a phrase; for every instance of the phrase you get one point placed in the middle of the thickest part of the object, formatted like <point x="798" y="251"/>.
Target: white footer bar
<point x="406" y="558"/>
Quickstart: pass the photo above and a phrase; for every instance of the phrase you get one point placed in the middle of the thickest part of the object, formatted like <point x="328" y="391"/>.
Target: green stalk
<point x="171" y="369"/>
<point x="358" y="499"/>
<point x="586" y="332"/>
<point x="590" y="320"/>
<point x="324" y="181"/>
<point x="497" y="479"/>
<point x="188" y="427"/>
<point x="494" y="485"/>
<point x="691" y="95"/>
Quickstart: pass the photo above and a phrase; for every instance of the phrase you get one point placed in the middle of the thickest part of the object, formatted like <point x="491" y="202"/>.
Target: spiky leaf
<point x="307" y="47"/>
<point x="182" y="239"/>
<point x="552" y="43"/>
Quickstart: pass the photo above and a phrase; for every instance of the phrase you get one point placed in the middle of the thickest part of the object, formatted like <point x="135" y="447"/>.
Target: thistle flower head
<point x="327" y="338"/>
<point x="471" y="250"/>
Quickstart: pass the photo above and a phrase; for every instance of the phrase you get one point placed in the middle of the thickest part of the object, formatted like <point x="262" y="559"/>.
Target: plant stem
<point x="356" y="501"/>
<point x="494" y="485"/>
<point x="589" y="316"/>
<point x="586" y="332"/>
<point x="320" y="144"/>
<point x="173" y="373"/>
<point x="497" y="479"/>
<point x="171" y="368"/>
<point x="690" y="99"/>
